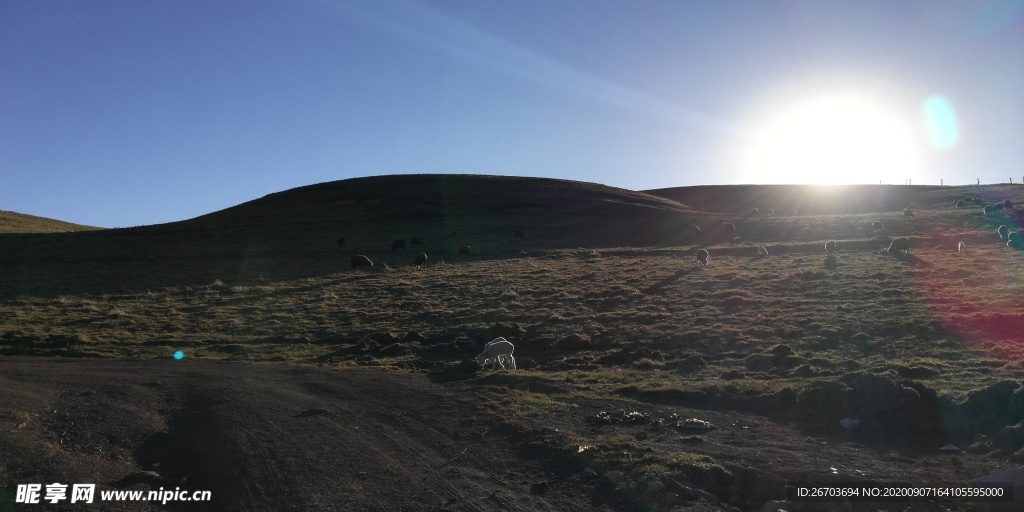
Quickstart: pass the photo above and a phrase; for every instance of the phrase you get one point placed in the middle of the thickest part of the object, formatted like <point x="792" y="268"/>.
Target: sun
<point x="840" y="139"/>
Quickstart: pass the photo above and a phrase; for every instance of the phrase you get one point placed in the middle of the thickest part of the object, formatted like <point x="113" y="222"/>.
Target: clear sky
<point x="122" y="113"/>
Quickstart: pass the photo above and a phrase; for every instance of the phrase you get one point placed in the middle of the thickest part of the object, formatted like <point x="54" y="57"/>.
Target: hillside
<point x="11" y="222"/>
<point x="623" y="346"/>
<point x="832" y="199"/>
<point x="295" y="233"/>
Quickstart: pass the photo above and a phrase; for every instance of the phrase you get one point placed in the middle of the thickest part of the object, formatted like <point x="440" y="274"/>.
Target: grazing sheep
<point x="398" y="244"/>
<point x="1008" y="204"/>
<point x="418" y="240"/>
<point x="909" y="213"/>
<point x="702" y="258"/>
<point x="878" y="225"/>
<point x="519" y="234"/>
<point x="421" y="260"/>
<point x="463" y="250"/>
<point x="901" y="244"/>
<point x="762" y="251"/>
<point x="361" y="261"/>
<point x="1002" y="231"/>
<point x="988" y="210"/>
<point x="959" y="204"/>
<point x="730" y="226"/>
<point x="961" y="247"/>
<point x="500" y="351"/>
<point x="830" y="247"/>
<point x="1013" y="236"/>
<point x="341" y="241"/>
<point x="753" y="211"/>
<point x="1013" y="244"/>
<point x="998" y="207"/>
<point x="771" y="211"/>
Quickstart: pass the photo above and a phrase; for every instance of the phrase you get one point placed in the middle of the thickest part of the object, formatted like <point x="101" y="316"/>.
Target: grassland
<point x="601" y="297"/>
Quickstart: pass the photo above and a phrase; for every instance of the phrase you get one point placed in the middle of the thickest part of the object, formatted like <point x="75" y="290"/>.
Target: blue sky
<point x="126" y="113"/>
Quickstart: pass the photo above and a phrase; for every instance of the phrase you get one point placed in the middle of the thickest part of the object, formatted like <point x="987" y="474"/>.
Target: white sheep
<point x="499" y="350"/>
<point x="961" y="247"/>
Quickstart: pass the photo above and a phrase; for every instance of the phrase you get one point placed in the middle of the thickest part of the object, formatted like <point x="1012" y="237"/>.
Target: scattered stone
<point x="655" y="486"/>
<point x="850" y="423"/>
<point x="695" y="425"/>
<point x="316" y="411"/>
<point x="620" y="416"/>
<point x="776" y="506"/>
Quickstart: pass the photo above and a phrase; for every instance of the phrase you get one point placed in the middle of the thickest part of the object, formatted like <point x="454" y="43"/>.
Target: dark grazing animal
<point x="361" y="261"/>
<point x="830" y="247"/>
<point x="901" y="244"/>
<point x="909" y="213"/>
<point x="398" y="244"/>
<point x="702" y="258"/>
<point x="421" y="260"/>
<point x="753" y="211"/>
<point x="1008" y="204"/>
<point x="463" y="250"/>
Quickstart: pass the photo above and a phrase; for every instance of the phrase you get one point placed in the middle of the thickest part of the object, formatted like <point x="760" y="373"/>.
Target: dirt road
<point x="261" y="437"/>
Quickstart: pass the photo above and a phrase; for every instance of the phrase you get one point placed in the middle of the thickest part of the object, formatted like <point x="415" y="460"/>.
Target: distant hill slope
<point x="11" y="222"/>
<point x="295" y="233"/>
<point x="811" y="199"/>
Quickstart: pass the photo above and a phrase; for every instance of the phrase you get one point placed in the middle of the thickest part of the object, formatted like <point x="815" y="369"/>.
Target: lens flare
<point x="940" y="122"/>
<point x="179" y="355"/>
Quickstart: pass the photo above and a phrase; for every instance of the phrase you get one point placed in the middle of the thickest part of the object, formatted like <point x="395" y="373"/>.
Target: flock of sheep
<point x="899" y="245"/>
<point x="499" y="351"/>
<point x="361" y="260"/>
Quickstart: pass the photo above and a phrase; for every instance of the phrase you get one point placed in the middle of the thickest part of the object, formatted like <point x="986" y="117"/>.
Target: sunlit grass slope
<point x="11" y="222"/>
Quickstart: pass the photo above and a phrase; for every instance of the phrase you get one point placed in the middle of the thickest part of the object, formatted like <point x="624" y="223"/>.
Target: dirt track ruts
<point x="260" y="437"/>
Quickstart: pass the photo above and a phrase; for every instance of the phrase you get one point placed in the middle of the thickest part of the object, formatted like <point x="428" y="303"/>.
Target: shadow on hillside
<point x="668" y="281"/>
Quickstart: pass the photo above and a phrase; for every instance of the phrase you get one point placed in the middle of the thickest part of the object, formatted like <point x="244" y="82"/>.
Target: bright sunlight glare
<point x="834" y="140"/>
